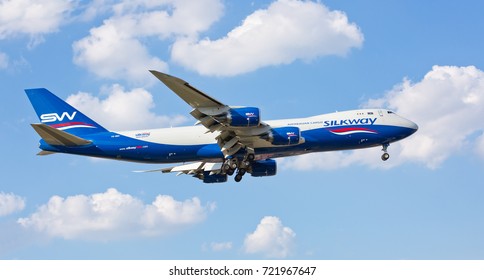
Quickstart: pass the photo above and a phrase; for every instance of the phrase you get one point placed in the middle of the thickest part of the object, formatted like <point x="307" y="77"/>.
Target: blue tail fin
<point x="56" y="113"/>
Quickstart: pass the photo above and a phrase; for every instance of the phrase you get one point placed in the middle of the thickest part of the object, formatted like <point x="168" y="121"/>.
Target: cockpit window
<point x="390" y="112"/>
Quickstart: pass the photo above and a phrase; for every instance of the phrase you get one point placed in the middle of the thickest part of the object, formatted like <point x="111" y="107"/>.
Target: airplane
<point x="225" y="140"/>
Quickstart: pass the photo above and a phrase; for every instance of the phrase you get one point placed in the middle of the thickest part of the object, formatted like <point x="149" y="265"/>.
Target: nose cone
<point x="412" y="125"/>
<point x="409" y="126"/>
<point x="405" y="126"/>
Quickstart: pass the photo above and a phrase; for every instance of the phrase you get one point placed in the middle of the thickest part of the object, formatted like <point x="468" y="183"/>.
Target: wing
<point x="239" y="131"/>
<point x="209" y="172"/>
<point x="237" y="127"/>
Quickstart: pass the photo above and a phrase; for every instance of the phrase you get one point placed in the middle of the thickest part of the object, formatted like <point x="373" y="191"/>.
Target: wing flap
<point x="194" y="168"/>
<point x="185" y="168"/>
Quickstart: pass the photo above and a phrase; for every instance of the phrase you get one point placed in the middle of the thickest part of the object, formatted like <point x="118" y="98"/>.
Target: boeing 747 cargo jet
<point x="226" y="140"/>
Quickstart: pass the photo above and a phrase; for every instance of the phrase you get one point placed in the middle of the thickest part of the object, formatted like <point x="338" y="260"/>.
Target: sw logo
<point x="54" y="117"/>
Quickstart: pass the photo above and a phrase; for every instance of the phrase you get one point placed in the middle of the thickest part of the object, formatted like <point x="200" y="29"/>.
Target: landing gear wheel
<point x="230" y="172"/>
<point x="242" y="172"/>
<point x="250" y="157"/>
<point x="245" y="164"/>
<point x="385" y="157"/>
<point x="230" y="163"/>
<point x="226" y="167"/>
<point x="233" y="164"/>
<point x="238" y="177"/>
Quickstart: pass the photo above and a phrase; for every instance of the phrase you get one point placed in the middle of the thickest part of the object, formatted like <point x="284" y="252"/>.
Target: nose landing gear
<point x="385" y="155"/>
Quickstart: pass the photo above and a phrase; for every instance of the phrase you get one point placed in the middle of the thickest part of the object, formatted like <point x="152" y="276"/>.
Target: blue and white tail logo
<point x="56" y="113"/>
<point x="53" y="117"/>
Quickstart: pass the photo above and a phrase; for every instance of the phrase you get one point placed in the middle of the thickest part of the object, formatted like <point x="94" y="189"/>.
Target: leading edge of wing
<point x="185" y="91"/>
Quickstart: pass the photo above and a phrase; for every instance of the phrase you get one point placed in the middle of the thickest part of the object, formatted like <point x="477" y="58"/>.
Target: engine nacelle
<point x="285" y="136"/>
<point x="263" y="168"/>
<point x="214" y="178"/>
<point x="245" y="116"/>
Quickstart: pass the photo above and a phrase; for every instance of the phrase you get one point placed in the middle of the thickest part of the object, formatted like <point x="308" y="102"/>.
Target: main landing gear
<point x="233" y="164"/>
<point x="385" y="155"/>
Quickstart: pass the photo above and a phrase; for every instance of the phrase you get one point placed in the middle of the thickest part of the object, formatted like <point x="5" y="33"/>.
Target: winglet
<point x="185" y="91"/>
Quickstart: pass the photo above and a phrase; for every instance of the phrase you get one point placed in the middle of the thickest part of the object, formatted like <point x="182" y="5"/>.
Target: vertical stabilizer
<point x="56" y="113"/>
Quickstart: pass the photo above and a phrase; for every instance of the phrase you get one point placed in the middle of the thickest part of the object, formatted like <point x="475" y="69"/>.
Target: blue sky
<point x="291" y="59"/>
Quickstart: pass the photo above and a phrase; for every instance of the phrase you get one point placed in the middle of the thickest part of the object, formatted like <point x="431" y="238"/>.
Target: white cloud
<point x="123" y="110"/>
<point x="116" y="49"/>
<point x="111" y="53"/>
<point x="94" y="8"/>
<point x="10" y="203"/>
<point x="286" y="31"/>
<point x="332" y="160"/>
<point x="220" y="246"/>
<point x="3" y="60"/>
<point x="270" y="238"/>
<point x="480" y="145"/>
<point x="113" y="215"/>
<point x="448" y="106"/>
<point x="167" y="17"/>
<point x="33" y="17"/>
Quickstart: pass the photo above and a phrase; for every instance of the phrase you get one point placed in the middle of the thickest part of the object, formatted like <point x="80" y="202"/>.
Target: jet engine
<point x="284" y="136"/>
<point x="263" y="168"/>
<point x="239" y="117"/>
<point x="214" y="178"/>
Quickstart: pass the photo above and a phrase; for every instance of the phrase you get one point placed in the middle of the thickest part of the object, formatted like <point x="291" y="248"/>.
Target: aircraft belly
<point x="160" y="153"/>
<point x="116" y="146"/>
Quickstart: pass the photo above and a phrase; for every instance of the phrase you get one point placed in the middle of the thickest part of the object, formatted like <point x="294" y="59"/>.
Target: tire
<point x="238" y="178"/>
<point x="385" y="157"/>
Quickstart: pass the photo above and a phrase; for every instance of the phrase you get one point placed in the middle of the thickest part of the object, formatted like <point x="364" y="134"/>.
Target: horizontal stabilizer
<point x="45" y="153"/>
<point x="55" y="137"/>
